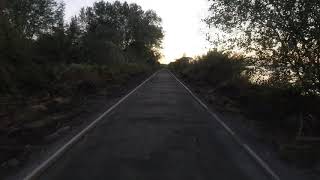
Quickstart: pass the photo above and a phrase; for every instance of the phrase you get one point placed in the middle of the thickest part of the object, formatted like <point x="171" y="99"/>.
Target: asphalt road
<point x="159" y="133"/>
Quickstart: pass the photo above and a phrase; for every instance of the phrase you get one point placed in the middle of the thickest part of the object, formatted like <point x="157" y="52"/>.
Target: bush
<point x="213" y="68"/>
<point x="277" y="107"/>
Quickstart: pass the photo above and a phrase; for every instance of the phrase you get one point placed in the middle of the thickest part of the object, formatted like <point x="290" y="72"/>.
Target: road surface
<point x="159" y="133"/>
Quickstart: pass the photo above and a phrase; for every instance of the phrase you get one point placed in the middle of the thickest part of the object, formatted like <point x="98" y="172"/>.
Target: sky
<point x="181" y="21"/>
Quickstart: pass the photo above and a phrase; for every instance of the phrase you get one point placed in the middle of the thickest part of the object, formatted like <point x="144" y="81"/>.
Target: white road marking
<point x="264" y="164"/>
<point x="222" y="123"/>
<point x="44" y="165"/>
<point x="255" y="156"/>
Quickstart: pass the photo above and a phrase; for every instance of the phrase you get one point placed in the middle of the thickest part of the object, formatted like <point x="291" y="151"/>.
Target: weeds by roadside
<point x="34" y="115"/>
<point x="290" y="119"/>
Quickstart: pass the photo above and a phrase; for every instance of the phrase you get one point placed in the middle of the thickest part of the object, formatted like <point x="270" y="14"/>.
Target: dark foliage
<point x="283" y="114"/>
<point x="284" y="36"/>
<point x="35" y="42"/>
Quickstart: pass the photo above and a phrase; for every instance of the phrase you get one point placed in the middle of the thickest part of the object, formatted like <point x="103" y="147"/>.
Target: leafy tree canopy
<point x="283" y="34"/>
<point x="34" y="17"/>
<point x="125" y="26"/>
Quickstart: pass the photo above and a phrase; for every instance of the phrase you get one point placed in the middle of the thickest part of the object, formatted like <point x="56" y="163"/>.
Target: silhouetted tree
<point x="33" y="17"/>
<point x="117" y="27"/>
<point x="35" y="40"/>
<point x="283" y="34"/>
<point x="74" y="41"/>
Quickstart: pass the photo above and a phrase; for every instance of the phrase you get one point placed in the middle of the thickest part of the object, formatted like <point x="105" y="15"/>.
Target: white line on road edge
<point x="255" y="156"/>
<point x="44" y="165"/>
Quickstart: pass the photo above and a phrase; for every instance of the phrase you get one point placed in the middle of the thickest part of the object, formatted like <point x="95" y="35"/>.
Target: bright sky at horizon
<point x="181" y="21"/>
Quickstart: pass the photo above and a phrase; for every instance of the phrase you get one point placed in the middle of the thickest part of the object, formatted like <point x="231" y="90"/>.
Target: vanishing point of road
<point x="160" y="132"/>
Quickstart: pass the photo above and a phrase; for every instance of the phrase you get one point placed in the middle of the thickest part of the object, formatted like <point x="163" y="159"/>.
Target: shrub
<point x="278" y="107"/>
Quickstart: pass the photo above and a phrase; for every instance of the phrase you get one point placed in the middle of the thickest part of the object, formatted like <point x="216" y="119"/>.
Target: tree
<point x="121" y="27"/>
<point x="25" y="24"/>
<point x="35" y="41"/>
<point x="32" y="17"/>
<point x="31" y="36"/>
<point x="74" y="41"/>
<point x="146" y="34"/>
<point x="52" y="44"/>
<point x="284" y="35"/>
<point x="73" y="31"/>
